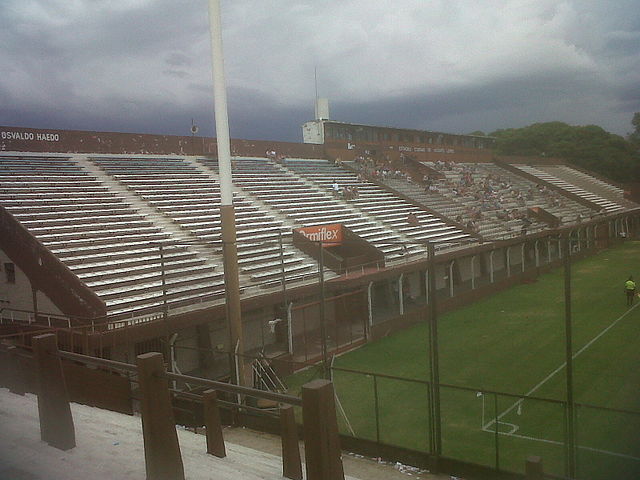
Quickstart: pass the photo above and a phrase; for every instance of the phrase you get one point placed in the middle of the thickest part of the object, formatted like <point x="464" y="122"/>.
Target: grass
<point x="512" y="342"/>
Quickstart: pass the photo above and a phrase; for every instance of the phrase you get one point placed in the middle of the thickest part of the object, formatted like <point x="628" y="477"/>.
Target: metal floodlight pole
<point x="163" y="280"/>
<point x="165" y="306"/>
<point x="571" y="451"/>
<point x="282" y="271"/>
<point x="323" y="326"/>
<point x="434" y="368"/>
<point x="227" y="213"/>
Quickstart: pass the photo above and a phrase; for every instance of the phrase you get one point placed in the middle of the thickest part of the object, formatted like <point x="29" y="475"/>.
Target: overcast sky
<point x="444" y="65"/>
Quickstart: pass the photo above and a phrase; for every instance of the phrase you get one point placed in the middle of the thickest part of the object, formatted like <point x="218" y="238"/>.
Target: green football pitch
<point x="513" y="343"/>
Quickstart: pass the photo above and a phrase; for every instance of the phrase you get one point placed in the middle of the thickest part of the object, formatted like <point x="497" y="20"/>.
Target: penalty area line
<point x="564" y="364"/>
<point x="580" y="447"/>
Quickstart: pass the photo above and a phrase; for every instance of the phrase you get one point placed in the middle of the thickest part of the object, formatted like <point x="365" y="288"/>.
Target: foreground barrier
<point x="163" y="460"/>
<point x="56" y="423"/>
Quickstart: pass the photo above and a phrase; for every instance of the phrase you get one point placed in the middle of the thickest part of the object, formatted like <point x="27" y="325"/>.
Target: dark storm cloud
<point x="254" y="116"/>
<point x="423" y="110"/>
<point x="144" y="65"/>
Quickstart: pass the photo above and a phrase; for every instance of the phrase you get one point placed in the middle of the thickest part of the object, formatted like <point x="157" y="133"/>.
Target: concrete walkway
<point x="355" y="466"/>
<point x="110" y="446"/>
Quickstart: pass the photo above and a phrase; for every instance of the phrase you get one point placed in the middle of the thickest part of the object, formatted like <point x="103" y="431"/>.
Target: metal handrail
<point x="226" y="387"/>
<point x="198" y="398"/>
<point x="101" y="362"/>
<point x="237" y="389"/>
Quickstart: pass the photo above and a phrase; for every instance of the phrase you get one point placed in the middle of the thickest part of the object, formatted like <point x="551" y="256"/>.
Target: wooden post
<point x="322" y="444"/>
<point x="533" y="468"/>
<point x="291" y="463"/>
<point x="161" y="449"/>
<point x="215" y="440"/>
<point x="56" y="422"/>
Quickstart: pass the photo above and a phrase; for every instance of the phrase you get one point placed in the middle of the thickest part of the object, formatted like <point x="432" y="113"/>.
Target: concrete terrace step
<point x="106" y="241"/>
<point x="119" y="294"/>
<point x="62" y="220"/>
<point x="132" y="278"/>
<point x="296" y="269"/>
<point x="87" y="228"/>
<point x="128" y="255"/>
<point x="33" y="207"/>
<point x="93" y="229"/>
<point x="135" y="264"/>
<point x="94" y="250"/>
<point x="274" y="264"/>
<point x="155" y="297"/>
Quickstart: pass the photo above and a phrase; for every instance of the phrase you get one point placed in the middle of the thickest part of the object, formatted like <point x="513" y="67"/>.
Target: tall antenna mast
<point x="315" y="76"/>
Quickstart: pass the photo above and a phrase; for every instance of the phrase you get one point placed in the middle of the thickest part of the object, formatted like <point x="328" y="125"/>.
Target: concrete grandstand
<point x="115" y="238"/>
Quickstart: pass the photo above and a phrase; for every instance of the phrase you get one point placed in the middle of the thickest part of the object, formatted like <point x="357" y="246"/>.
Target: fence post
<point x="377" y="409"/>
<point x="15" y="375"/>
<point x="533" y="468"/>
<point x="56" y="422"/>
<point x="496" y="431"/>
<point x="215" y="440"/>
<point x="321" y="440"/>
<point x="161" y="449"/>
<point x="291" y="463"/>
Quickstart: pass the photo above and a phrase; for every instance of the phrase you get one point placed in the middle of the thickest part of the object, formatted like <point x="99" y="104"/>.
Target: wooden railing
<point x="163" y="459"/>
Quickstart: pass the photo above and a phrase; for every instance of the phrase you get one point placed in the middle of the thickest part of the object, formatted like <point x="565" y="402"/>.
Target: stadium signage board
<point x="404" y="148"/>
<point x="38" y="136"/>
<point x="330" y="235"/>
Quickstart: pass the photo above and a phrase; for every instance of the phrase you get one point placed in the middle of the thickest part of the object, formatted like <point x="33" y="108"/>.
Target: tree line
<point x="590" y="147"/>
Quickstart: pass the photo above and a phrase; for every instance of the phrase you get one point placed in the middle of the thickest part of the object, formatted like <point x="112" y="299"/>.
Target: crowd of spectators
<point x="382" y="169"/>
<point x="347" y="192"/>
<point x="275" y="156"/>
<point x="488" y="198"/>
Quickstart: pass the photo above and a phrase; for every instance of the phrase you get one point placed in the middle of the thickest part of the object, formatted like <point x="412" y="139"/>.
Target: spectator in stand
<point x="335" y="187"/>
<point x="412" y="219"/>
<point x="530" y="194"/>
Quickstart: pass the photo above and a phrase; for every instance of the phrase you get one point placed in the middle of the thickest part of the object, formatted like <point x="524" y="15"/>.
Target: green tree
<point x="590" y="147"/>
<point x="634" y="137"/>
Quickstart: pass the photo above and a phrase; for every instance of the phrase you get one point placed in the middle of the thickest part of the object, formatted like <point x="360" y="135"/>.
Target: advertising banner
<point x="330" y="235"/>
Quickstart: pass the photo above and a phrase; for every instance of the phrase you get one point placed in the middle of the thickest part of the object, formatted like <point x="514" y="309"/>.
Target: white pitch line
<point x="581" y="447"/>
<point x="564" y="364"/>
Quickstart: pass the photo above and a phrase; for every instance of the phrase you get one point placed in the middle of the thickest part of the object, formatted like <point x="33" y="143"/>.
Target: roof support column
<point x="491" y="265"/>
<point x="400" y="293"/>
<point x="473" y="272"/>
